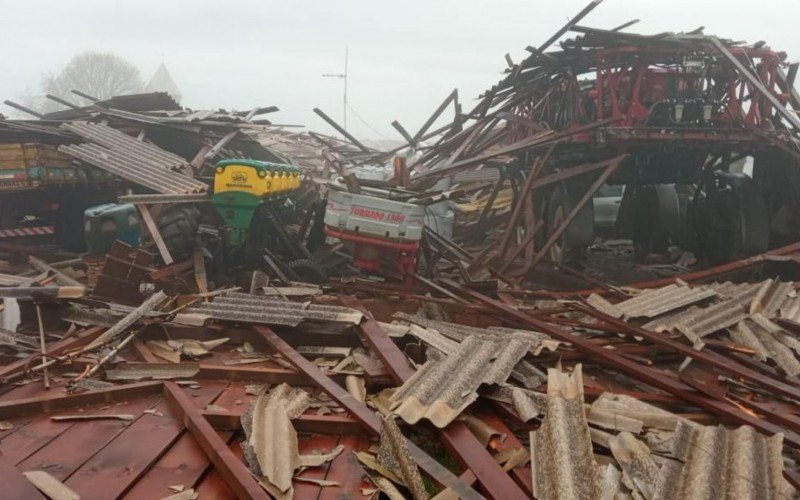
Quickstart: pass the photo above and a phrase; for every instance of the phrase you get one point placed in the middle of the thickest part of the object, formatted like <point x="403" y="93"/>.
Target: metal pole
<point x="43" y="347"/>
<point x="346" y="49"/>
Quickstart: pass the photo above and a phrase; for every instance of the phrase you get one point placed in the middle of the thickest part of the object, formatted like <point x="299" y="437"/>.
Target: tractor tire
<point x="308" y="271"/>
<point x="178" y="226"/>
<point x="570" y="247"/>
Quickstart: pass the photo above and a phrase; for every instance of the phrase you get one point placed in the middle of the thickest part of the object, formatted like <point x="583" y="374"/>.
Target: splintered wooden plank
<point x="315" y="443"/>
<point x="347" y="471"/>
<point x="73" y="447"/>
<point x="114" y="470"/>
<point x="184" y="463"/>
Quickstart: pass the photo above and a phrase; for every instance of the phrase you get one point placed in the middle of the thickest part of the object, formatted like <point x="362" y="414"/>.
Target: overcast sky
<point x="405" y="56"/>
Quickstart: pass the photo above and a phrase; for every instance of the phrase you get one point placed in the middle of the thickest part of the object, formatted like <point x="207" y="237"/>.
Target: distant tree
<point x="99" y="74"/>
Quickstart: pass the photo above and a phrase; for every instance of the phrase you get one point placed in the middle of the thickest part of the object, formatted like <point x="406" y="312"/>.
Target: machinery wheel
<point x="178" y="226"/>
<point x="309" y="271"/>
<point x="658" y="214"/>
<point x="571" y="246"/>
<point x="729" y="221"/>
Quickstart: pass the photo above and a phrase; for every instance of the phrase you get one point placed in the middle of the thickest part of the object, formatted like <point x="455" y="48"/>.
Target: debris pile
<point x="215" y="306"/>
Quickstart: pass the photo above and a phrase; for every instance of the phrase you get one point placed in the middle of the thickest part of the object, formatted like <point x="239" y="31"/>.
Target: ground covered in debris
<point x="201" y="343"/>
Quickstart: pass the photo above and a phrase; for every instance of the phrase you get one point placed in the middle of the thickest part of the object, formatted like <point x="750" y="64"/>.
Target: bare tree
<point x="98" y="74"/>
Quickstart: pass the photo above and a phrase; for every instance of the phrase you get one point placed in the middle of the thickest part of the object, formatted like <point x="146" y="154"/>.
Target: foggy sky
<point x="405" y="56"/>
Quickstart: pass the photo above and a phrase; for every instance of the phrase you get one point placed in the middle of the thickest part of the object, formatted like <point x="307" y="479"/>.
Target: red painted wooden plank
<point x="212" y="486"/>
<point x="366" y="416"/>
<point x="315" y="443"/>
<point x="14" y="484"/>
<point x="66" y="453"/>
<point x="112" y="471"/>
<point x="347" y="471"/>
<point x="456" y="437"/>
<point x="184" y="463"/>
<point x="235" y="473"/>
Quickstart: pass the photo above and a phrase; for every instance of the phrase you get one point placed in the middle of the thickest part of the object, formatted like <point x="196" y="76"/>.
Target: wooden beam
<point x="457" y="437"/>
<point x="368" y="419"/>
<point x="55" y="402"/>
<point x="342" y="131"/>
<point x="232" y="470"/>
<point x="153" y="230"/>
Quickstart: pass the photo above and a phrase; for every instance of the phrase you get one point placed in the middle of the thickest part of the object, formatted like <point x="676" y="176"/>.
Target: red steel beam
<point x="456" y="437"/>
<point x="362" y="413"/>
<point x="232" y="470"/>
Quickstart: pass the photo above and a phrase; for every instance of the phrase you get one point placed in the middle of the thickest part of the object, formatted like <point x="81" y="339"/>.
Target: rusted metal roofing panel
<point x="721" y="463"/>
<point x="657" y="301"/>
<point x="562" y="462"/>
<point x="441" y="389"/>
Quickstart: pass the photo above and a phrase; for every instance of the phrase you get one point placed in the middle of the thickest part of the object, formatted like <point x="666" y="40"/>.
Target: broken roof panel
<point x="721" y="463"/>
<point x="657" y="301"/>
<point x="701" y="321"/>
<point x="265" y="310"/>
<point x="562" y="462"/>
<point x="441" y="389"/>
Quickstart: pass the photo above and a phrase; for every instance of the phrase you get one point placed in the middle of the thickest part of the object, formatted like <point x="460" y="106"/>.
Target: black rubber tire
<point x="570" y="248"/>
<point x="178" y="226"/>
<point x="308" y="271"/>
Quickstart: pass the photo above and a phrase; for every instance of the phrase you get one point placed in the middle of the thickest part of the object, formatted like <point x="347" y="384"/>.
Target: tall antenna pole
<point x="345" y="87"/>
<point x="343" y="76"/>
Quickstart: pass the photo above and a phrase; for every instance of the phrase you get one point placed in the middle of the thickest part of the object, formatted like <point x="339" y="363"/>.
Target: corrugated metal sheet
<point x="562" y="462"/>
<point x="134" y="160"/>
<point x="721" y="463"/>
<point x="259" y="309"/>
<point x="441" y="389"/>
<point x="657" y="301"/>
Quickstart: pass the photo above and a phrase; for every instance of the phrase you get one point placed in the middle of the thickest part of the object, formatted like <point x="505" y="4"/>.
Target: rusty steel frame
<point x="362" y="413"/>
<point x="456" y="437"/>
